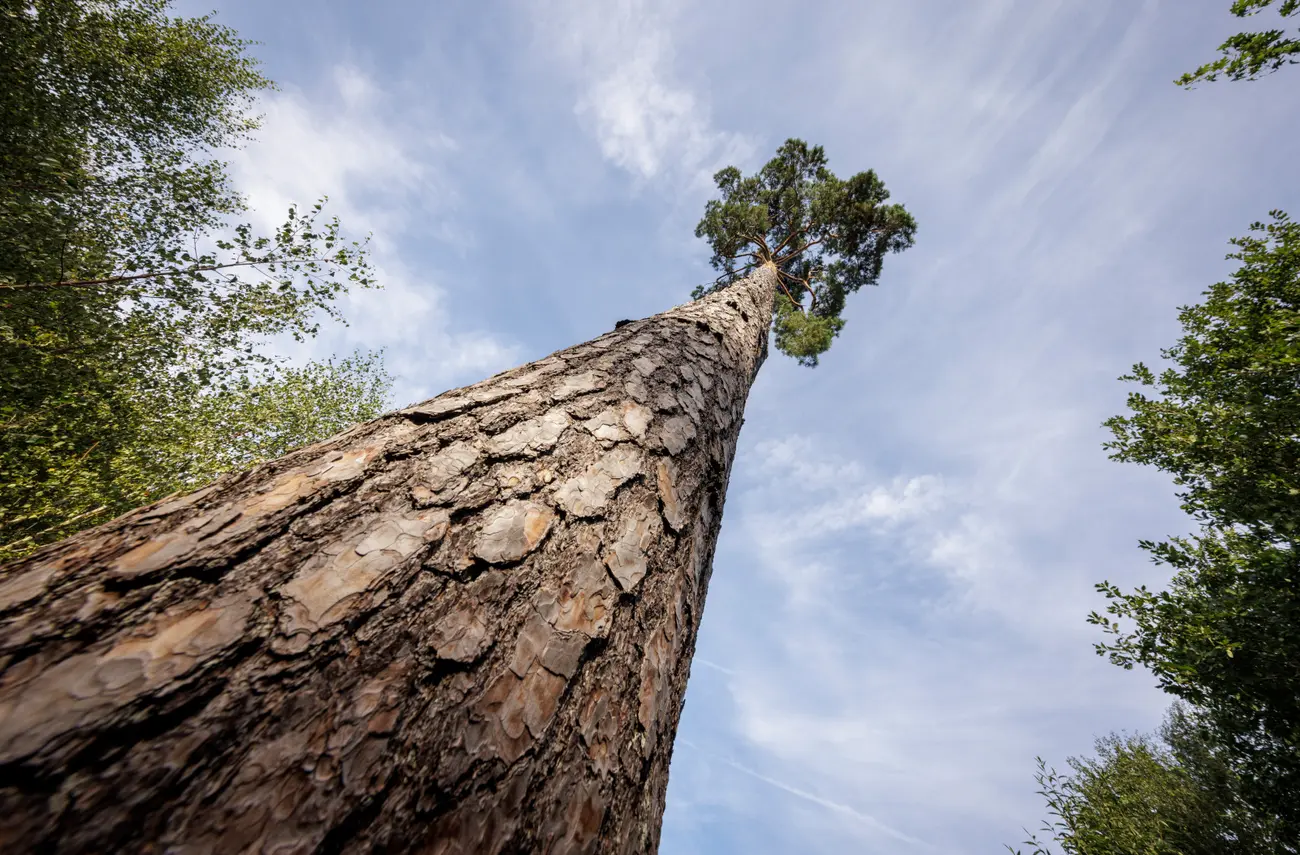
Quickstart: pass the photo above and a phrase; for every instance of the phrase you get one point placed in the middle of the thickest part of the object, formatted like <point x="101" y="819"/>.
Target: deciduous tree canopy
<point x="128" y="293"/>
<point x="1170" y="794"/>
<point x="1224" y="420"/>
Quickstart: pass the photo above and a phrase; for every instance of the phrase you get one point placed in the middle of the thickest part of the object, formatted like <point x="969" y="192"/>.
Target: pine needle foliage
<point x="827" y="237"/>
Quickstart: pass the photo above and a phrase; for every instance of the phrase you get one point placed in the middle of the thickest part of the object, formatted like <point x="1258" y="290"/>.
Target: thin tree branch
<point x="753" y="263"/>
<point x="780" y="284"/>
<point x="791" y="237"/>
<point x="796" y="252"/>
<point x="31" y="537"/>
<point x="113" y="280"/>
<point x="812" y="304"/>
<point x="762" y="244"/>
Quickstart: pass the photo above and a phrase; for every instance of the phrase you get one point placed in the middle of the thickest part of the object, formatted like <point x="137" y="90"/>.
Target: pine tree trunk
<point x="464" y="627"/>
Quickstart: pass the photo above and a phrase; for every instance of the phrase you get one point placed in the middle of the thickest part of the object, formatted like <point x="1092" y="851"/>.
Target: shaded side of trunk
<point x="465" y="627"/>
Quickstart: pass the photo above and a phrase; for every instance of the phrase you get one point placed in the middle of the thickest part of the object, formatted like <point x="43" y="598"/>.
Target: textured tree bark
<point x="464" y="627"/>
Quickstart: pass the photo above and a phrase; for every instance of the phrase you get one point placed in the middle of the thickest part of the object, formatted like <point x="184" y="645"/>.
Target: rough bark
<point x="465" y="627"/>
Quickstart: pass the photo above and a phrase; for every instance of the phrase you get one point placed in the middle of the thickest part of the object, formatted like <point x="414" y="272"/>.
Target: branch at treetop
<point x="762" y="243"/>
<point x="807" y="286"/>
<point x="780" y="284"/>
<point x="753" y="263"/>
<point x="795" y="253"/>
<point x="791" y="237"/>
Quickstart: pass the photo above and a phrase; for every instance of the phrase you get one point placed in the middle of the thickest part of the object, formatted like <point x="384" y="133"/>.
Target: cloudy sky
<point x="896" y="621"/>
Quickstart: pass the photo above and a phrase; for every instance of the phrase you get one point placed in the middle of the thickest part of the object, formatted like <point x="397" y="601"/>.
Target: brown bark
<point x="464" y="627"/>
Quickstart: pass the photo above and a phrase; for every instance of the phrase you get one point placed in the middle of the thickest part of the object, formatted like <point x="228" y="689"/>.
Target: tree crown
<point x="826" y="236"/>
<point x="1172" y="793"/>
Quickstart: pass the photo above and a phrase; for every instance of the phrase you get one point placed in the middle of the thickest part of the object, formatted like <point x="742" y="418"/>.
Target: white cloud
<point x="1080" y="131"/>
<point x="644" y="118"/>
<point x="796" y="458"/>
<point x="382" y="166"/>
<point x="345" y="143"/>
<point x="825" y="496"/>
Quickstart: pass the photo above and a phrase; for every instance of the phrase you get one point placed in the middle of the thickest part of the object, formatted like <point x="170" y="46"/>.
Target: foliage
<point x="109" y="116"/>
<point x="106" y="114"/>
<point x="827" y="238"/>
<point x="1225" y="422"/>
<point x="1174" y="794"/>
<point x="1247" y="56"/>
<point x="177" y="436"/>
<point x="128" y="294"/>
<point x="236" y="428"/>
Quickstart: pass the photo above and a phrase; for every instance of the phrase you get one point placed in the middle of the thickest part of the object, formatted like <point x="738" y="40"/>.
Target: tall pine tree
<point x="464" y="627"/>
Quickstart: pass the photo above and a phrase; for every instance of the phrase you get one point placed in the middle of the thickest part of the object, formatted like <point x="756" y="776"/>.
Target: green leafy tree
<point x="826" y="236"/>
<point x="1169" y="794"/>
<point x="1248" y="56"/>
<point x="108" y="114"/>
<point x="1224" y="420"/>
<point x="178" y="435"/>
<point x="238" y="427"/>
<point x="128" y="290"/>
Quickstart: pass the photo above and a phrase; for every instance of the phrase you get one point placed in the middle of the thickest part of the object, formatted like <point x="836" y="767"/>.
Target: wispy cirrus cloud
<point x="894" y="666"/>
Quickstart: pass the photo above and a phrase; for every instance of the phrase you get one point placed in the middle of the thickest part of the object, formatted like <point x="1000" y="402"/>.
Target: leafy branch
<point x="1248" y="56"/>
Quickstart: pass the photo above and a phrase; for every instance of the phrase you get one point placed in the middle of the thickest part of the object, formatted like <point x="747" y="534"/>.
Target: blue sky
<point x="895" y="626"/>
